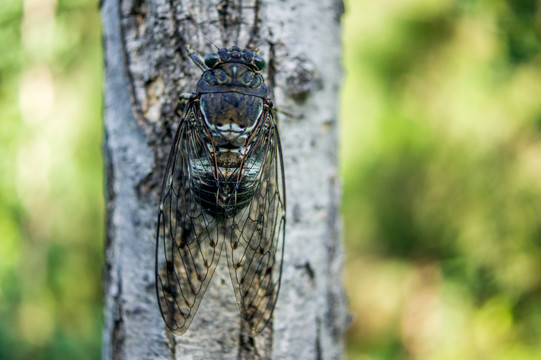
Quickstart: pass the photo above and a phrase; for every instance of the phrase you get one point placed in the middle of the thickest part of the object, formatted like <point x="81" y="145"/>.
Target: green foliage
<point x="442" y="196"/>
<point x="51" y="202"/>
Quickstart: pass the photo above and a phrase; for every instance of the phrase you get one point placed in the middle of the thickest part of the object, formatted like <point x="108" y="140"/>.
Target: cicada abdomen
<point x="224" y="186"/>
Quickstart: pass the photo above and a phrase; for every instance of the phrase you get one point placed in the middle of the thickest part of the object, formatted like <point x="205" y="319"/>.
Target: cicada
<point x="224" y="187"/>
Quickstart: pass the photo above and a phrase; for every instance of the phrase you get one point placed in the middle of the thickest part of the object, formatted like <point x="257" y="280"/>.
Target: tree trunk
<point x="146" y="70"/>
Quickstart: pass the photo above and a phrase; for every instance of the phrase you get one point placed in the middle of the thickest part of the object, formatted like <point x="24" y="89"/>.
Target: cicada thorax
<point x="231" y="111"/>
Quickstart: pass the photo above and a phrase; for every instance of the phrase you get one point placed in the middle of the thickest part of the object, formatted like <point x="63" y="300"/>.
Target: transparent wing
<point x="188" y="244"/>
<point x="255" y="242"/>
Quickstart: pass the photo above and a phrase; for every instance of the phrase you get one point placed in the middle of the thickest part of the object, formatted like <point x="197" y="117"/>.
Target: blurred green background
<point x="51" y="175"/>
<point x="441" y="161"/>
<point x="441" y="155"/>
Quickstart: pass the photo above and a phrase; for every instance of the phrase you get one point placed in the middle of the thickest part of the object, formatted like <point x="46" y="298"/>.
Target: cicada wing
<point x="255" y="243"/>
<point x="188" y="243"/>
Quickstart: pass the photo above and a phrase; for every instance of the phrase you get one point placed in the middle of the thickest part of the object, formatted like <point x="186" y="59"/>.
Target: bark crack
<point x="256" y="26"/>
<point x="179" y="39"/>
<point x="246" y="345"/>
<point x="319" y="355"/>
<point x="118" y="331"/>
<point x="172" y="343"/>
<point x="223" y="12"/>
<point x="271" y="73"/>
<point x="137" y="111"/>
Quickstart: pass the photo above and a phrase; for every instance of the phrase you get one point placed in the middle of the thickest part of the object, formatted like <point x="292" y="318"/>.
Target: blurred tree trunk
<point x="146" y="70"/>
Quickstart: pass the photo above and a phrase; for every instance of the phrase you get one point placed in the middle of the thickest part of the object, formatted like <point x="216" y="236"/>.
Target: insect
<point x="224" y="187"/>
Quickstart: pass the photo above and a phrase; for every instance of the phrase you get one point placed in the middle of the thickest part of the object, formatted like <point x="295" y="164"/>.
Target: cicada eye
<point x="259" y="62"/>
<point x="211" y="60"/>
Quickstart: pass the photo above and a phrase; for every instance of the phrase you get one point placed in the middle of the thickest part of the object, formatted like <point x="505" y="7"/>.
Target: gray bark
<point x="146" y="71"/>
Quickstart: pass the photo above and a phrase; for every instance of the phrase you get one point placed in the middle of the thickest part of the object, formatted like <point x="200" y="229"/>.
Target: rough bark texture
<point x="146" y="70"/>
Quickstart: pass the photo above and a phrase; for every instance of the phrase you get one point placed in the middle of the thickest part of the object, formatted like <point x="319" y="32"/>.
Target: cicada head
<point x="235" y="54"/>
